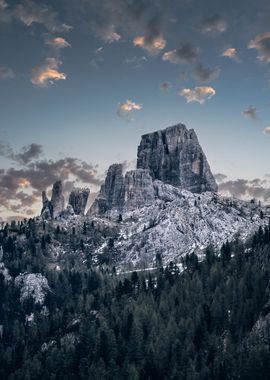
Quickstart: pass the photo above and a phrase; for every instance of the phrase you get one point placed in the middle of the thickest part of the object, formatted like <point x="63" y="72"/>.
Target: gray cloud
<point x="206" y="74"/>
<point x="262" y="44"/>
<point x="110" y="19"/>
<point x="21" y="187"/>
<point x="246" y="189"/>
<point x="6" y="73"/>
<point x="186" y="53"/>
<point x="212" y="25"/>
<point x="251" y="112"/>
<point x="30" y="12"/>
<point x="165" y="87"/>
<point x="219" y="177"/>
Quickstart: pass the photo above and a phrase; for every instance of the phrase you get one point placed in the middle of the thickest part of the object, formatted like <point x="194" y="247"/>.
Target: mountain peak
<point x="174" y="156"/>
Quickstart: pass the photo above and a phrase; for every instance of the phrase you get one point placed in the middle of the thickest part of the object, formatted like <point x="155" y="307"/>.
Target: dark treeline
<point x="211" y="321"/>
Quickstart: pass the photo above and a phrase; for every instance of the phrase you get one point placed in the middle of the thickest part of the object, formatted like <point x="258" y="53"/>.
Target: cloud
<point x="30" y="12"/>
<point x="251" y="112"/>
<point x="58" y="42"/>
<point x="137" y="62"/>
<point x="198" y="94"/>
<point x="231" y="53"/>
<point x="219" y="177"/>
<point x="246" y="189"/>
<point x="152" y="44"/>
<point x="186" y="53"/>
<point x="125" y="109"/>
<point x="29" y="153"/>
<point x="205" y="74"/>
<point x="212" y="25"/>
<point x="3" y="4"/>
<point x="21" y="187"/>
<point x="165" y="87"/>
<point x="133" y="18"/>
<point x="98" y="57"/>
<point x="267" y="130"/>
<point x="48" y="73"/>
<point x="262" y="44"/>
<point x="6" y="73"/>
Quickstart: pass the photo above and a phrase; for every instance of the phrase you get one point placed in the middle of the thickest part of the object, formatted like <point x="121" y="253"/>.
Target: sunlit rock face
<point x="78" y="200"/>
<point x="174" y="156"/>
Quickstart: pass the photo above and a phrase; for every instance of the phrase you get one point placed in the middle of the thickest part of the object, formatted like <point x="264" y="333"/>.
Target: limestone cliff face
<point x="57" y="200"/>
<point x="111" y="192"/>
<point x="138" y="189"/>
<point x="171" y="156"/>
<point x="78" y="199"/>
<point x="134" y="190"/>
<point x="174" y="156"/>
<point x="54" y="207"/>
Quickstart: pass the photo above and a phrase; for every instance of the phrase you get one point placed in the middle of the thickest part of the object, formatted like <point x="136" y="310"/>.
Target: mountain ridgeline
<point x="167" y="206"/>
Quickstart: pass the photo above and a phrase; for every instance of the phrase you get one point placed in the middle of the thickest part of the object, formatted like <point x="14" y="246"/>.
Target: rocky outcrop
<point x="134" y="190"/>
<point x="171" y="156"/>
<point x="174" y="156"/>
<point x="138" y="189"/>
<point x="54" y="207"/>
<point x="111" y="192"/>
<point x="57" y="200"/>
<point x="46" y="211"/>
<point x="78" y="200"/>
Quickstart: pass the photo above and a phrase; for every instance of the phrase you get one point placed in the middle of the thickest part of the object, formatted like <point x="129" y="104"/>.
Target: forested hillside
<point x="209" y="321"/>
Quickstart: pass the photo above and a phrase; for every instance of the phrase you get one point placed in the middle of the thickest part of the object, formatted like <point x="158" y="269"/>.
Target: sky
<point x="81" y="81"/>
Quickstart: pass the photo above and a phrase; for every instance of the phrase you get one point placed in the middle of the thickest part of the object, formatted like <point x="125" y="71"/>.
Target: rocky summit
<point x="168" y="205"/>
<point x="174" y="156"/>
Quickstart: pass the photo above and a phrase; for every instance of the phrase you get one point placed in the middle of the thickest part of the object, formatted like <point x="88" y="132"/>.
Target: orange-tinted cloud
<point x="198" y="94"/>
<point x="152" y="45"/>
<point x="58" y="42"/>
<point x="48" y="73"/>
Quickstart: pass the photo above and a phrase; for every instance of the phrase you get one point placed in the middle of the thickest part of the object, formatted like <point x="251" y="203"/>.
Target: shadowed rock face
<point x="54" y="207"/>
<point x="174" y="156"/>
<point x="78" y="199"/>
<point x="124" y="193"/>
<point x="57" y="200"/>
<point x="110" y="195"/>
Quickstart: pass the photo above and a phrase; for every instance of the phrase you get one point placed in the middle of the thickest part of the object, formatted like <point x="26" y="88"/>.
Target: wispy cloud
<point x="197" y="94"/>
<point x="251" y="112"/>
<point x="165" y="87"/>
<point x="152" y="44"/>
<point x="30" y="12"/>
<point x="58" y="42"/>
<point x="206" y="74"/>
<point x="186" y="53"/>
<point x="231" y="53"/>
<point x="262" y="44"/>
<point x="6" y="73"/>
<point x="135" y="61"/>
<point x="125" y="109"/>
<point x="212" y="25"/>
<point x="48" y="73"/>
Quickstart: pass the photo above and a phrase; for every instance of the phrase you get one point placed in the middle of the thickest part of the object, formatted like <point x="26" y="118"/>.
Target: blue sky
<point x="84" y="80"/>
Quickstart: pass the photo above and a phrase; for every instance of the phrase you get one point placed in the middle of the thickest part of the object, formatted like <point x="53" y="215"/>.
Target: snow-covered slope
<point x="180" y="222"/>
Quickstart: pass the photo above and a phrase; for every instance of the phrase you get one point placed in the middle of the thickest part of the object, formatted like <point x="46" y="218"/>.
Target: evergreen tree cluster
<point x="208" y="320"/>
